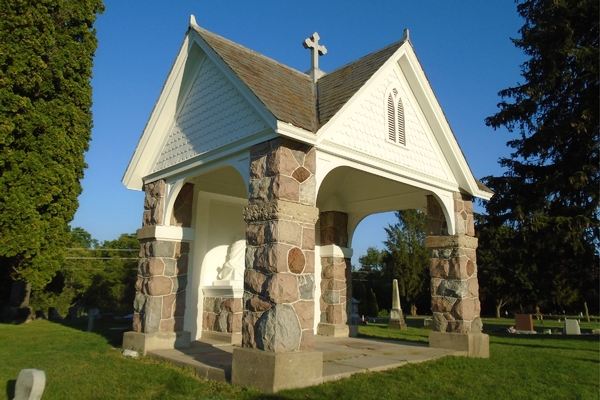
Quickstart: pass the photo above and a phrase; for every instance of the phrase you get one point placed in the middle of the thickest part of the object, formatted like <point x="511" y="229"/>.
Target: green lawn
<point x="82" y="365"/>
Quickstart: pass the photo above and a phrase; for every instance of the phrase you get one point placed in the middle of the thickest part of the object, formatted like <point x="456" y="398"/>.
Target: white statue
<point x="235" y="263"/>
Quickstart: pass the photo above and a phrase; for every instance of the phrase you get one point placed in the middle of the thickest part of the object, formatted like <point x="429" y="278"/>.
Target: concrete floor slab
<point x="342" y="357"/>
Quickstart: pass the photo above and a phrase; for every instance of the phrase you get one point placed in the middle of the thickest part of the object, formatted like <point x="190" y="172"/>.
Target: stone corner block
<point x="271" y="372"/>
<point x="145" y="342"/>
<point x="334" y="330"/>
<point x="453" y="241"/>
<point x="475" y="345"/>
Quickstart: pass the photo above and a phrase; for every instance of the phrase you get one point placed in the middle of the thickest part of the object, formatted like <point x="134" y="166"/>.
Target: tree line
<point x="93" y="275"/>
<point x="539" y="235"/>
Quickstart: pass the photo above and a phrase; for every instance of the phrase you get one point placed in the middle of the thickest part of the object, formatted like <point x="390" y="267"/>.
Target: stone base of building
<point x="337" y="330"/>
<point x="397" y="324"/>
<point x="144" y="342"/>
<point x="230" y="338"/>
<point x="475" y="345"/>
<point x="271" y="372"/>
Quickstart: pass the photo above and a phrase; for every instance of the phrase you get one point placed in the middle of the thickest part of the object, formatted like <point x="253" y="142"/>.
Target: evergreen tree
<point x="549" y="194"/>
<point x="46" y="56"/>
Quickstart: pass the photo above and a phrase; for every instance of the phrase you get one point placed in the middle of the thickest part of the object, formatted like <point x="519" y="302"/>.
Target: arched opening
<point x="346" y="196"/>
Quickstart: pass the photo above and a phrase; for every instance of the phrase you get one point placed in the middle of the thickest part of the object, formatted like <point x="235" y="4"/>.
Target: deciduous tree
<point x="405" y="256"/>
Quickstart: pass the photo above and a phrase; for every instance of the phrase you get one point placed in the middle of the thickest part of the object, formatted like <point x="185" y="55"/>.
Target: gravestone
<point x="93" y="313"/>
<point x="18" y="302"/>
<point x="524" y="323"/>
<point x="354" y="315"/>
<point x="571" y="327"/>
<point x="72" y="312"/>
<point x="30" y="384"/>
<point x="53" y="314"/>
<point x="396" y="317"/>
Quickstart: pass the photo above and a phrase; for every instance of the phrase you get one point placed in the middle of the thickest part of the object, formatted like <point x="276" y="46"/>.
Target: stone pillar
<point x="454" y="286"/>
<point x="159" y="304"/>
<point x="277" y="326"/>
<point x="336" y="276"/>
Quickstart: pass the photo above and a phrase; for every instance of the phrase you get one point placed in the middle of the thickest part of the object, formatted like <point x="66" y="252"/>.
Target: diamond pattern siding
<point x="365" y="130"/>
<point x="214" y="114"/>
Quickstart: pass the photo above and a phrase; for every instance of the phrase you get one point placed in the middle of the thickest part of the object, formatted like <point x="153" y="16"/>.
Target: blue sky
<point x="464" y="48"/>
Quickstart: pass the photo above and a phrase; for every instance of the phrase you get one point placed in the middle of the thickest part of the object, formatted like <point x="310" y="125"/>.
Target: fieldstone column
<point x="336" y="276"/>
<point x="278" y="320"/>
<point x="454" y="286"/>
<point x="159" y="304"/>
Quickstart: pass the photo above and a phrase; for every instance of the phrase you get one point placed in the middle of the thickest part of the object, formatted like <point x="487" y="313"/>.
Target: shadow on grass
<point x="541" y="336"/>
<point x="111" y="330"/>
<point x="10" y="388"/>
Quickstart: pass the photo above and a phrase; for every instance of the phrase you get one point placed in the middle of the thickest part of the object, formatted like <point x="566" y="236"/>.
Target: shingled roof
<point x="287" y="93"/>
<point x="337" y="87"/>
<point x="290" y="94"/>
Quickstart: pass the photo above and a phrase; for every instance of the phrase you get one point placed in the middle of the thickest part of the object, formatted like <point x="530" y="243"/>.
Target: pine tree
<point x="46" y="55"/>
<point x="549" y="193"/>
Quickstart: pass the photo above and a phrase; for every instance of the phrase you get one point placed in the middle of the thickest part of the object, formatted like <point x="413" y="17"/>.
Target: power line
<point x="102" y="258"/>
<point x="100" y="249"/>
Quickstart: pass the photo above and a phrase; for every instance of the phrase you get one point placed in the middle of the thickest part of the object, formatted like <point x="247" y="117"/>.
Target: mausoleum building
<point x="256" y="176"/>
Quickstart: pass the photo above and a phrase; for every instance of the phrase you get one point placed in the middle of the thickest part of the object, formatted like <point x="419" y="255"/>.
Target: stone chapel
<point x="256" y="176"/>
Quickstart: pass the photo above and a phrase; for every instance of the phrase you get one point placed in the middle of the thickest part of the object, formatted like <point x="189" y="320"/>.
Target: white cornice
<point x="333" y="250"/>
<point x="168" y="233"/>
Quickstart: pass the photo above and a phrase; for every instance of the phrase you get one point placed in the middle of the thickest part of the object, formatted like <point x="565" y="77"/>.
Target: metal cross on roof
<point x="317" y="50"/>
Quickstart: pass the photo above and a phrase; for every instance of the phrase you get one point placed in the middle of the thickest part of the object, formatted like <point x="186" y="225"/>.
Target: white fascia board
<point x="342" y="156"/>
<point x="254" y="101"/>
<point x="161" y="117"/>
<point x="211" y="159"/>
<point x="430" y="107"/>
<point x="293" y="132"/>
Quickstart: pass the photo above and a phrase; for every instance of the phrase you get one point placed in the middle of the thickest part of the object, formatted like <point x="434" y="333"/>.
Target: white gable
<point x="362" y="128"/>
<point x="213" y="115"/>
<point x="431" y="155"/>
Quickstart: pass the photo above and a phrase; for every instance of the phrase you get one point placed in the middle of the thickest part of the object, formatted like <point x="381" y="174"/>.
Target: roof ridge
<point x="396" y="43"/>
<point x="202" y="31"/>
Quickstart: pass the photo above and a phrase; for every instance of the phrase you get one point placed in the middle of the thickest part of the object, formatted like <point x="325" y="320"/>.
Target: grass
<point x="82" y="365"/>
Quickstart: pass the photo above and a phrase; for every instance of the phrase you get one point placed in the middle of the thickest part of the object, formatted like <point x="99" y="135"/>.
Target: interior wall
<point x="218" y="222"/>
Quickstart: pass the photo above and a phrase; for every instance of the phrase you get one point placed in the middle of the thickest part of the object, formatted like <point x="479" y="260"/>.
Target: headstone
<point x="427" y="322"/>
<point x="354" y="315"/>
<point x="571" y="327"/>
<point x="53" y="314"/>
<point x="39" y="314"/>
<point x="92" y="314"/>
<point x="396" y="317"/>
<point x="30" y="384"/>
<point x="18" y="302"/>
<point x="523" y="323"/>
<point x="72" y="312"/>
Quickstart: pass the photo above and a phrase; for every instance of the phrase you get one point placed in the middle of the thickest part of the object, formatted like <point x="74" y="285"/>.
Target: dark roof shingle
<point x="337" y="87"/>
<point x="288" y="94"/>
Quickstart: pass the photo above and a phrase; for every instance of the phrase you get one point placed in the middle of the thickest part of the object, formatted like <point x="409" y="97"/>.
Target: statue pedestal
<point x="223" y="311"/>
<point x="224" y="289"/>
